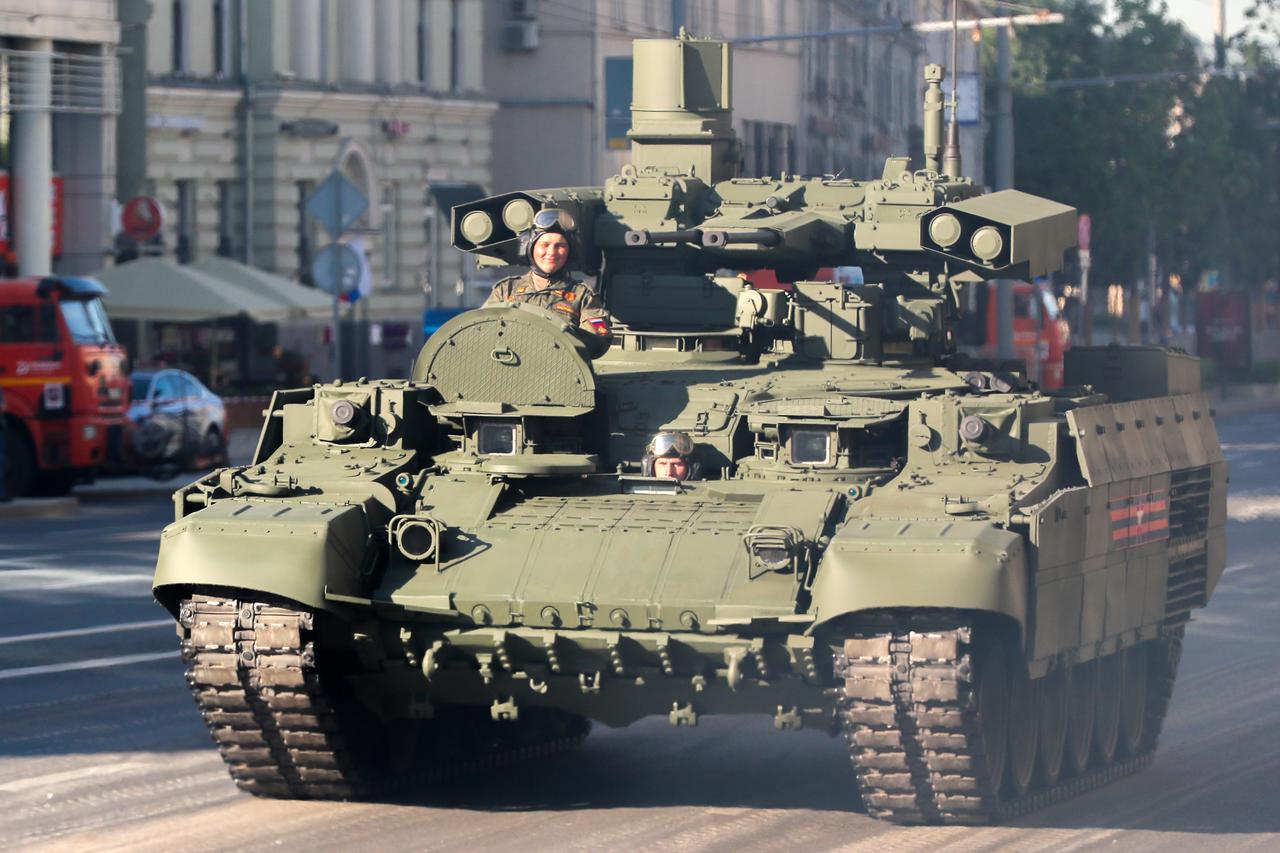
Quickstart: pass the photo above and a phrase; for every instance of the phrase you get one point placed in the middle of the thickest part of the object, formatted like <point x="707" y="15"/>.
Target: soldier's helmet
<point x="551" y="220"/>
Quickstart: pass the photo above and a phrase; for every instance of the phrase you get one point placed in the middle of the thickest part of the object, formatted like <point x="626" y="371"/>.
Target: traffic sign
<point x="336" y="269"/>
<point x="337" y="203"/>
<point x="141" y="218"/>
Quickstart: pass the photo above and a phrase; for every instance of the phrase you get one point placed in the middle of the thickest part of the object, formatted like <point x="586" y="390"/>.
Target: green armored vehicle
<point x="981" y="587"/>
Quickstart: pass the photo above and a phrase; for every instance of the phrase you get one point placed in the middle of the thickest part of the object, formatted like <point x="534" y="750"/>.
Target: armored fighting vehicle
<point x="979" y="586"/>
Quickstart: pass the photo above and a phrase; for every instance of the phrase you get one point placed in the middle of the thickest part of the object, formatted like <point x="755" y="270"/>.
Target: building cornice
<point x="310" y="100"/>
<point x="189" y="97"/>
<point x="46" y="25"/>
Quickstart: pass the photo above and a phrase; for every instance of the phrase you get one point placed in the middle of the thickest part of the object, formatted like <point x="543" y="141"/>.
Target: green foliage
<point x="1195" y="158"/>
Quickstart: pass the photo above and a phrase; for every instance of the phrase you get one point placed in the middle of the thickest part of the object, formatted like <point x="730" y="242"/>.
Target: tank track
<point x="908" y="713"/>
<point x="285" y="731"/>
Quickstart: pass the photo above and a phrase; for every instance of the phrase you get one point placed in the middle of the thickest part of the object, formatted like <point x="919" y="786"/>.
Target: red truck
<point x="1041" y="335"/>
<point x="65" y="383"/>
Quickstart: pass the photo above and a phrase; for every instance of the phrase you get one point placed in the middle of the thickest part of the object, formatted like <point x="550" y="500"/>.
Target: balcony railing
<point x="77" y="82"/>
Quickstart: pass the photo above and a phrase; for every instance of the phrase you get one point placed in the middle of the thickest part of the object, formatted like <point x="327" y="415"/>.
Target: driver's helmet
<point x="550" y="220"/>
<point x="670" y="444"/>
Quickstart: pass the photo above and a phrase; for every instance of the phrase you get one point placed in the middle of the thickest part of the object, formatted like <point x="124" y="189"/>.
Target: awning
<point x="300" y="300"/>
<point x="447" y="196"/>
<point x="161" y="290"/>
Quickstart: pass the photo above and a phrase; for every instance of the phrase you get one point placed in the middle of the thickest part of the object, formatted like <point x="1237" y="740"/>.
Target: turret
<point x="668" y="221"/>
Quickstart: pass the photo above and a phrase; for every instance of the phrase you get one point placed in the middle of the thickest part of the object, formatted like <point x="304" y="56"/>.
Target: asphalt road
<point x="101" y="747"/>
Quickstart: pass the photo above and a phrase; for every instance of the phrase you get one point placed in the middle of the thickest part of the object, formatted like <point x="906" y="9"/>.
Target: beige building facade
<point x="809" y="106"/>
<point x="250" y="105"/>
<point x="57" y="131"/>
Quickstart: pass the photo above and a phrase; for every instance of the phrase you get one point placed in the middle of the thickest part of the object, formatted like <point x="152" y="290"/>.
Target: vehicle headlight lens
<point x="89" y="432"/>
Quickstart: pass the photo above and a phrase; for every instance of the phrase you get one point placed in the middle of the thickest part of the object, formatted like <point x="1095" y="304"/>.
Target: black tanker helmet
<point x="550" y="220"/>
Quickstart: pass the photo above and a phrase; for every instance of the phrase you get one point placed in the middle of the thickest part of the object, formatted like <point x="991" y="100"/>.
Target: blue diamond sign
<point x="337" y="203"/>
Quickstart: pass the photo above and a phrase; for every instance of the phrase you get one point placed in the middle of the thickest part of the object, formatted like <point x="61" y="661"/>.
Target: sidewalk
<point x="240" y="447"/>
<point x="1244" y="399"/>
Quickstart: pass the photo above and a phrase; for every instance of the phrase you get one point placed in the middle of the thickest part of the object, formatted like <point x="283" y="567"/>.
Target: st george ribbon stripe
<point x="1139" y="519"/>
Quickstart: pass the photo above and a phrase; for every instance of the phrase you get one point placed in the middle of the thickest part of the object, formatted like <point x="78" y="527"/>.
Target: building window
<point x="185" y="250"/>
<point x="181" y="54"/>
<point x="424" y="41"/>
<point x="391" y="236"/>
<point x="306" y="234"/>
<point x="225" y="216"/>
<point x="221" y="38"/>
<point x="455" y="42"/>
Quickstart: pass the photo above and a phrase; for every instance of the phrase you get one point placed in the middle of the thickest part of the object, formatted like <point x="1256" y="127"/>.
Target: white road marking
<point x="49" y="780"/>
<point x="39" y="580"/>
<point x="85" y="632"/>
<point x="95" y="663"/>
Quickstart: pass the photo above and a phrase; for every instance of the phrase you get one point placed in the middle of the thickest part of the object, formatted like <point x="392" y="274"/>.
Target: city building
<point x="560" y="70"/>
<point x="250" y="104"/>
<point x="58" y="113"/>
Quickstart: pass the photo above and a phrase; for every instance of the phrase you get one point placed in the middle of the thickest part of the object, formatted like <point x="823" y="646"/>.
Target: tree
<point x="1107" y="150"/>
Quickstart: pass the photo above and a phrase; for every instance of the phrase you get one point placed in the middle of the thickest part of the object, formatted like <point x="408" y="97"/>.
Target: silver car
<point x="175" y="420"/>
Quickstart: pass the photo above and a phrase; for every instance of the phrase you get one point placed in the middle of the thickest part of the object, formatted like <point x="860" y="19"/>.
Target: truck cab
<point x="65" y="383"/>
<point x="1041" y="335"/>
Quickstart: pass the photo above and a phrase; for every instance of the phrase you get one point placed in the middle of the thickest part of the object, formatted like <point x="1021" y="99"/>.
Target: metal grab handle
<point x="505" y="355"/>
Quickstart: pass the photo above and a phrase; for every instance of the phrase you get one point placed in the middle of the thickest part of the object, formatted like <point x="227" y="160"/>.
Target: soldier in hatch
<point x="549" y="247"/>
<point x="670" y="454"/>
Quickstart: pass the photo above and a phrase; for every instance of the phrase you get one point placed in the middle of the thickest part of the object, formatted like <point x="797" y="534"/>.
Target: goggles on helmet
<point x="671" y="444"/>
<point x="554" y="219"/>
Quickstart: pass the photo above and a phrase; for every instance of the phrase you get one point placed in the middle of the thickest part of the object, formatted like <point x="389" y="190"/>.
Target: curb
<point x="39" y="508"/>
<point x="1229" y="409"/>
<point x="123" y="491"/>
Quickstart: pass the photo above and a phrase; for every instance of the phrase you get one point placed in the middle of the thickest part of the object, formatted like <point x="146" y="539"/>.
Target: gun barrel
<point x="660" y="238"/>
<point x="766" y="237"/>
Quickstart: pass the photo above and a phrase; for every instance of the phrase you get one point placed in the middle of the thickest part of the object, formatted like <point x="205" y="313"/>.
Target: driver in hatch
<point x="549" y="247"/>
<point x="670" y="454"/>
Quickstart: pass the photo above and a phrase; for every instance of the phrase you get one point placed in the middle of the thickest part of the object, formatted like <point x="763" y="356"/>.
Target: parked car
<point x="175" y="420"/>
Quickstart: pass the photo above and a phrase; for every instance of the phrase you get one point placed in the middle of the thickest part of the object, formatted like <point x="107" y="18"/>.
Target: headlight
<point x="811" y="446"/>
<point x="89" y="432"/>
<point x="417" y="537"/>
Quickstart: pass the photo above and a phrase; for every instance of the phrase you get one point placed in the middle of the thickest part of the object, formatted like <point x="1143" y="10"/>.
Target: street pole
<point x="337" y="293"/>
<point x="1219" y="33"/>
<point x="1004" y="179"/>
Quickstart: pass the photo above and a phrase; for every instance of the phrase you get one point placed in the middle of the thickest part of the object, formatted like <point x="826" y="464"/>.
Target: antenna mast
<point x="951" y="154"/>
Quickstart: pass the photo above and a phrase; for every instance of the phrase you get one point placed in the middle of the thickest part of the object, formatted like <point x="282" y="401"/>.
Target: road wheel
<point x="1082" y="691"/>
<point x="1024" y="726"/>
<point x="1106" y="722"/>
<point x="1133" y="701"/>
<point x="1053" y="726"/>
<point x="19" y="463"/>
<point x="993" y="710"/>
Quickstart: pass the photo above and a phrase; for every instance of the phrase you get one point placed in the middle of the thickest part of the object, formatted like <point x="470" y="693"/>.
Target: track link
<point x="909" y="714"/>
<point x="282" y="728"/>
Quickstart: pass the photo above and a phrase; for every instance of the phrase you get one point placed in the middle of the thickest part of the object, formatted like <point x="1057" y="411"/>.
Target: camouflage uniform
<point x="575" y="301"/>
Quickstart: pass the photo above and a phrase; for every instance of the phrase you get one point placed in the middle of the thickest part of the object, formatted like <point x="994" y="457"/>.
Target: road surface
<point x="101" y="747"/>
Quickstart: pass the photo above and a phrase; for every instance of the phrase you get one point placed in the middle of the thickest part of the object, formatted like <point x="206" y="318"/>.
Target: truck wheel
<point x="19" y="463"/>
<point x="55" y="484"/>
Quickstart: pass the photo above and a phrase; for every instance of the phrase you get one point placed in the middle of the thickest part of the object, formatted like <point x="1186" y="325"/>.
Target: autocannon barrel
<point x="659" y="238"/>
<point x="766" y="237"/>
